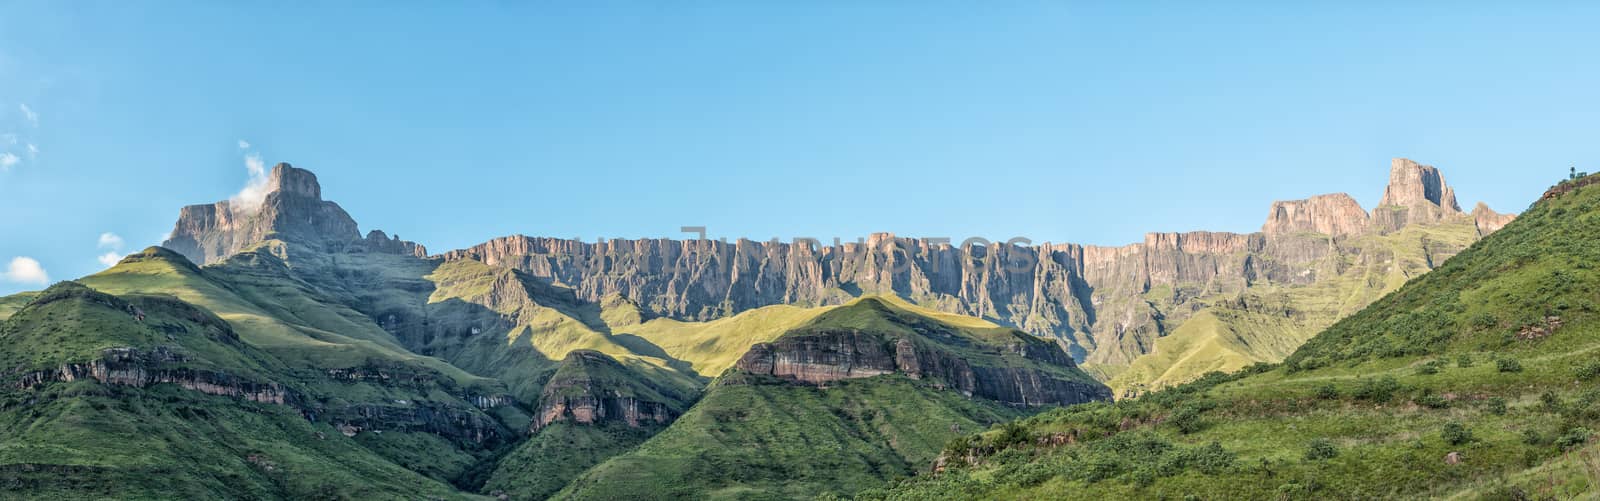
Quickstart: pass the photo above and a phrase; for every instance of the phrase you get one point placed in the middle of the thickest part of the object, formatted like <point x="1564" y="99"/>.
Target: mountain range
<point x="271" y="350"/>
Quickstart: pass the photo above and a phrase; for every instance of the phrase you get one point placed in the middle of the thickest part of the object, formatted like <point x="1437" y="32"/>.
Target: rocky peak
<point x="286" y="178"/>
<point x="1416" y="193"/>
<point x="1489" y="221"/>
<point x="1412" y="184"/>
<point x="292" y="210"/>
<point x="1334" y="214"/>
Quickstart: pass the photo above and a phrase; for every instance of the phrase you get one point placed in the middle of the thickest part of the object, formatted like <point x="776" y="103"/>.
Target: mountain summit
<point x="292" y="210"/>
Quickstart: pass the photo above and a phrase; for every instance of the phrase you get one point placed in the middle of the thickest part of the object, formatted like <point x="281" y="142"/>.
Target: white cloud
<point x="109" y="240"/>
<point x="7" y="160"/>
<point x="33" y="150"/>
<point x="33" y="117"/>
<point x="255" y="191"/>
<point x="244" y="145"/>
<point x="110" y="259"/>
<point x="25" y="270"/>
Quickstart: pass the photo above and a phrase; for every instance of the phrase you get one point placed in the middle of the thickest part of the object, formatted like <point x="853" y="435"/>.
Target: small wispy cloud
<point x="25" y="270"/>
<point x="255" y="190"/>
<point x="33" y="150"/>
<point x="110" y="259"/>
<point x="109" y="240"/>
<point x="28" y="113"/>
<point x="8" y="160"/>
<point x="244" y="145"/>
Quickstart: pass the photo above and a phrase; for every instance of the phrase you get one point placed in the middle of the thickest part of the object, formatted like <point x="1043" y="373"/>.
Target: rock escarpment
<point x="871" y="338"/>
<point x="1334" y="215"/>
<point x="1106" y="304"/>
<point x="292" y="210"/>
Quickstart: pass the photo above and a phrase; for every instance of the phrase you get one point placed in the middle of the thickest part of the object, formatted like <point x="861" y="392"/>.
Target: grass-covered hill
<point x="783" y="435"/>
<point x="346" y="373"/>
<point x="1475" y="381"/>
<point x="149" y="397"/>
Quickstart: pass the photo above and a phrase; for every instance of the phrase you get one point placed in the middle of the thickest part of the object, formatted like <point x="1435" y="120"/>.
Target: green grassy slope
<point x="83" y="439"/>
<point x="561" y="450"/>
<point x="1269" y="321"/>
<point x="754" y="436"/>
<point x="1489" y="357"/>
<point x="10" y="304"/>
<point x="350" y="369"/>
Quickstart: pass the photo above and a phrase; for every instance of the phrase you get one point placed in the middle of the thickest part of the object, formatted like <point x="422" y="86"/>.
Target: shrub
<point x="1320" y="449"/>
<point x="1378" y="390"/>
<point x="1464" y="360"/>
<point x="1589" y="370"/>
<point x="1432" y="400"/>
<point x="1455" y="433"/>
<point x="1430" y="368"/>
<point x="1186" y="419"/>
<point x="1327" y="392"/>
<point x="1496" y="406"/>
<point x="1211" y="459"/>
<point x="1551" y="402"/>
<point x="1508" y="365"/>
<point x="1574" y="438"/>
<point x="1532" y="437"/>
<point x="1013" y="433"/>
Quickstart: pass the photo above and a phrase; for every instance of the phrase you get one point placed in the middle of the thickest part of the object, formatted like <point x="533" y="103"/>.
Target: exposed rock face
<point x="293" y="210"/>
<point x="592" y="388"/>
<point x="822" y="355"/>
<point x="1489" y="221"/>
<point x="1096" y="300"/>
<point x="133" y="367"/>
<point x="1333" y="215"/>
<point x="1416" y="193"/>
<point x="1090" y="297"/>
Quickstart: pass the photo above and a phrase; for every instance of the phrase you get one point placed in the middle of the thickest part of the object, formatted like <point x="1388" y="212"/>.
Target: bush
<point x="1589" y="370"/>
<point x="1327" y="392"/>
<point x="1378" y="390"/>
<point x="1320" y="449"/>
<point x="1211" y="459"/>
<point x="1186" y="419"/>
<point x="1574" y="438"/>
<point x="1013" y="433"/>
<point x="1455" y="433"/>
<point x="1508" y="365"/>
<point x="1496" y="406"/>
<point x="1532" y="437"/>
<point x="1464" y="360"/>
<point x="1430" y="368"/>
<point x="1551" y="402"/>
<point x="1432" y="400"/>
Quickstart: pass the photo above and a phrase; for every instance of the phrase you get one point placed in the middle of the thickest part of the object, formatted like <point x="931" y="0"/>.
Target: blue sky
<point x="1082" y="122"/>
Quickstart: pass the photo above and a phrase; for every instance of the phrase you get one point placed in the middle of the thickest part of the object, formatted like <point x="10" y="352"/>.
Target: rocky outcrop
<point x="591" y="388"/>
<point x="142" y="368"/>
<point x="1334" y="215"/>
<point x="293" y="210"/>
<point x="1415" y="194"/>
<point x="1022" y="372"/>
<point x="1488" y="221"/>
